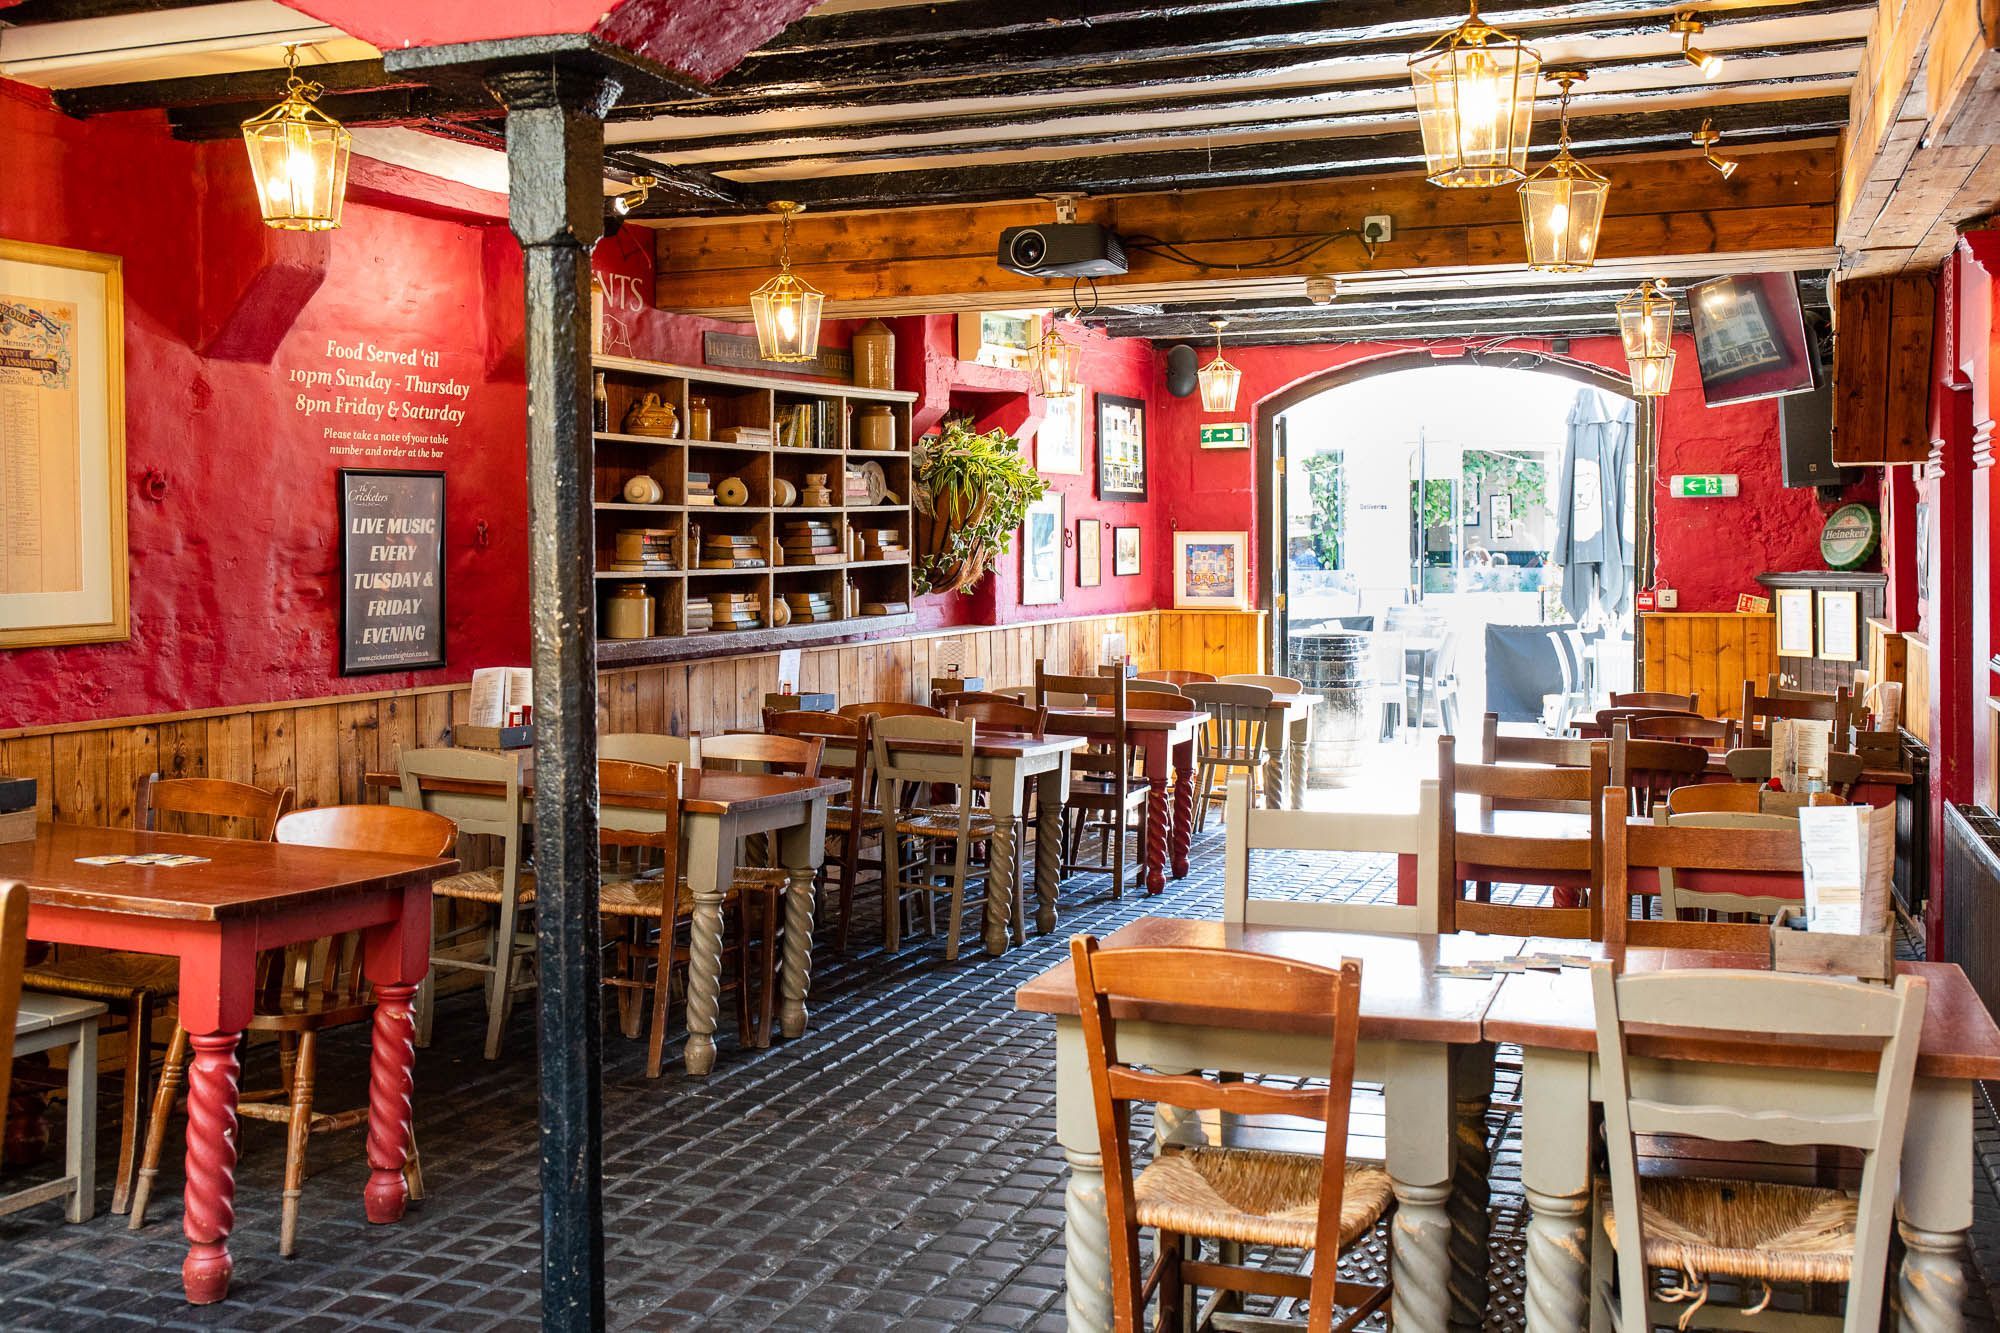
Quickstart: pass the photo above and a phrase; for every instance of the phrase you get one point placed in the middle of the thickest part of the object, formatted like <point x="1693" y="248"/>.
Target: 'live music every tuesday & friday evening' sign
<point x="391" y="570"/>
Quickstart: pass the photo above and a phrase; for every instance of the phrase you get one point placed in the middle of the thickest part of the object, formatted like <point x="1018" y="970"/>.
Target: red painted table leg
<point x="1183" y="829"/>
<point x="210" y="1199"/>
<point x="391" y="1080"/>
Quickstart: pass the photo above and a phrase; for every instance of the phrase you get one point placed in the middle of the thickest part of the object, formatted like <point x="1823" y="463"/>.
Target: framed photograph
<point x="1211" y="570"/>
<point x="1089" y="552"/>
<point x="1124" y="552"/>
<point x="1005" y="338"/>
<point x="1503" y="511"/>
<point x="1121" y="448"/>
<point x="63" y="556"/>
<point x="1750" y="337"/>
<point x="1059" y="441"/>
<point x="1468" y="502"/>
<point x="1042" y="551"/>
<point x="1795" y="622"/>
<point x="1839" y="625"/>
<point x="391" y="570"/>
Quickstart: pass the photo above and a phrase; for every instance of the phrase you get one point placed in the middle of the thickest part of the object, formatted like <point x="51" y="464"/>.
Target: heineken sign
<point x="1226" y="435"/>
<point x="1850" y="536"/>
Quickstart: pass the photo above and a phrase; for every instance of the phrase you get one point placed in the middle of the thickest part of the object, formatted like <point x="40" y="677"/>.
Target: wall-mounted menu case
<point x="762" y="521"/>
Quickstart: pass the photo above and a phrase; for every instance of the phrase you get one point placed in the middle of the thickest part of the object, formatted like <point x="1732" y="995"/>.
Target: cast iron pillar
<point x="555" y="167"/>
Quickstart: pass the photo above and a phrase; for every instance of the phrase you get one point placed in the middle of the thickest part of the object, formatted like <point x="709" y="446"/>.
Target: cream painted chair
<point x="1252" y="828"/>
<point x="645" y="747"/>
<point x="904" y="775"/>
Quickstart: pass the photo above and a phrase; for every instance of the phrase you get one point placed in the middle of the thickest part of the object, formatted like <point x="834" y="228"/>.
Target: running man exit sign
<point x="1703" y="486"/>
<point x="1226" y="435"/>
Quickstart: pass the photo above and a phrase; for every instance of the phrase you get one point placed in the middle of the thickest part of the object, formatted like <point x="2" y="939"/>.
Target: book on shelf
<point x="744" y="435"/>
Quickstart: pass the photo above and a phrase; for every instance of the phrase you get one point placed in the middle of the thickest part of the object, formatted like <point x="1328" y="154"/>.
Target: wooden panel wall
<point x="1887" y="653"/>
<point x="1917" y="687"/>
<point x="1710" y="654"/>
<point x="1882" y="368"/>
<point x="87" y="772"/>
<point x="1221" y="643"/>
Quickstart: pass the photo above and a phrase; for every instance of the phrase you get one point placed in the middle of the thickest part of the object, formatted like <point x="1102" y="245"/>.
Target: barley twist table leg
<point x="797" y="975"/>
<point x="1930" y="1288"/>
<point x="1048" y="855"/>
<point x="1470" y="1197"/>
<point x="1086" y="1245"/>
<point x="1419" y="1248"/>
<point x="1183" y="811"/>
<point x="704" y="987"/>
<point x="1156" y="834"/>
<point x="391" y="1081"/>
<point x="1002" y="868"/>
<point x="1558" y="1262"/>
<point x="209" y="1210"/>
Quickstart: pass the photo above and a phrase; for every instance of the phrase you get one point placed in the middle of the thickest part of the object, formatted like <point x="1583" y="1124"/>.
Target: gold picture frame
<point x="64" y="575"/>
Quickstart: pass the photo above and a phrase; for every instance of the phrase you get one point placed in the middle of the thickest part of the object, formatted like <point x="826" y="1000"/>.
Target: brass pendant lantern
<point x="1562" y="205"/>
<point x="1219" y="380"/>
<point x="1652" y="376"/>
<point x="1056" y="362"/>
<point x="1646" y="321"/>
<point x="298" y="157"/>
<point x="1475" y="89"/>
<point x="786" y="309"/>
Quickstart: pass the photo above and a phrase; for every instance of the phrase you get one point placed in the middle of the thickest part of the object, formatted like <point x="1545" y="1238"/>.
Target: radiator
<point x="1971" y="922"/>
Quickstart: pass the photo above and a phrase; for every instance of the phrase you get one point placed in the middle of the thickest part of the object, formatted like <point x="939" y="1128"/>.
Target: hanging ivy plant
<point x="971" y="491"/>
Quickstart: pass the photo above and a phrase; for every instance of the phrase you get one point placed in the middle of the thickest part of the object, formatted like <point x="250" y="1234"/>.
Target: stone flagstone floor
<point x="895" y="1170"/>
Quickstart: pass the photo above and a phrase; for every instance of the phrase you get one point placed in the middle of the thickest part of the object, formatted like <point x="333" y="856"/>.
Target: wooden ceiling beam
<point x="263" y="86"/>
<point x="1780" y="203"/>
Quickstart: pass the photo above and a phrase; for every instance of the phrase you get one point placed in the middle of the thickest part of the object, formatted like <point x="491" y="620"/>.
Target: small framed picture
<point x="1121" y="448"/>
<point x="1089" y="552"/>
<point x="1059" y="439"/>
<point x="1503" y="510"/>
<point x="1795" y="622"/>
<point x="1042" y="551"/>
<point x="1839" y="625"/>
<point x="1124" y="552"/>
<point x="1212" y="570"/>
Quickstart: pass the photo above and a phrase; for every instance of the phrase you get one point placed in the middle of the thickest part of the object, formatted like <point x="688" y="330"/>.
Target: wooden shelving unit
<point x="844" y="585"/>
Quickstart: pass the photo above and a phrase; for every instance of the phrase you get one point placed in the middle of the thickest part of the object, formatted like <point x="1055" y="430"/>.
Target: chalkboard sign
<point x="391" y="570"/>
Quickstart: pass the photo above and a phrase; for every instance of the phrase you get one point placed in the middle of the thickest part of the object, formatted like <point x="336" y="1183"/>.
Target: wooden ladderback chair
<point x="1857" y="706"/>
<point x="1253" y="829"/>
<point x="851" y="821"/>
<point x="1176" y="676"/>
<point x="1651" y="769"/>
<point x="1606" y="720"/>
<point x="890" y="708"/>
<point x="1748" y="1233"/>
<point x="1759" y="710"/>
<point x="305" y="990"/>
<point x="1502" y="844"/>
<point x="1714" y="798"/>
<point x="1685" y="703"/>
<point x="1685" y="894"/>
<point x="432" y="779"/>
<point x="1001" y="715"/>
<point x="135" y="987"/>
<point x="1708" y="732"/>
<point x="944" y="699"/>
<point x="1172" y="701"/>
<point x="756" y="752"/>
<point x="1156" y="688"/>
<point x="1496" y="747"/>
<point x="13" y="959"/>
<point x="911" y="755"/>
<point x="1752" y="763"/>
<point x="645" y="747"/>
<point x="1275" y="684"/>
<point x="1105" y="791"/>
<point x="1749" y="864"/>
<point x="1232" y="741"/>
<point x="1255" y="1198"/>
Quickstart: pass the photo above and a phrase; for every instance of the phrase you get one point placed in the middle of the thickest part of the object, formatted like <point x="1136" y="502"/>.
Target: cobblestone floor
<point x="895" y="1170"/>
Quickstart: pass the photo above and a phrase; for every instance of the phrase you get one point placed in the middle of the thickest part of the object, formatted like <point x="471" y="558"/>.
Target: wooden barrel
<point x="1335" y="665"/>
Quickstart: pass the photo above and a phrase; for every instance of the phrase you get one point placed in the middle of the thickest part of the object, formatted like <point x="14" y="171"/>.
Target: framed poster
<point x="63" y="556"/>
<point x="1042" y="551"/>
<point x="1089" y="552"/>
<point x="1059" y="441"/>
<point x="1121" y="448"/>
<point x="1212" y="570"/>
<point x="1795" y="622"/>
<point x="1124" y="552"/>
<point x="1839" y="625"/>
<point x="391" y="570"/>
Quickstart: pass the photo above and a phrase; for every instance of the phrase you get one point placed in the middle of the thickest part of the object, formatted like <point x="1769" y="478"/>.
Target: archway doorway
<point x="1430" y="497"/>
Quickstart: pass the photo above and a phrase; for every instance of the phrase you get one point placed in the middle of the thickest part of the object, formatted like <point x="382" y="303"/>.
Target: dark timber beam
<point x="263" y="86"/>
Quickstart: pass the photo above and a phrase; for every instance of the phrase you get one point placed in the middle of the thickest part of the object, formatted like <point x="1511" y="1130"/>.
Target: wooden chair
<point x="944" y="699"/>
<point x="1000" y="715"/>
<point x="1857" y="707"/>
<point x="1171" y="701"/>
<point x="890" y="708"/>
<point x="1275" y="684"/>
<point x="1713" y="798"/>
<point x="1760" y="709"/>
<point x="1163" y="689"/>
<point x="904" y="773"/>
<point x="1606" y="720"/>
<point x="1176" y="677"/>
<point x="1486" y="855"/>
<point x="13" y="961"/>
<point x="1748" y="864"/>
<point x="134" y="987"/>
<point x="1753" y="764"/>
<point x="850" y="823"/>
<point x="1651" y="769"/>
<point x="31" y="1024"/>
<point x="1104" y="788"/>
<point x="1251" y="828"/>
<point x="1686" y="894"/>
<point x="1749" y="1233"/>
<point x="1238" y="1196"/>
<point x="504" y="948"/>
<point x="1496" y="747"/>
<point x="1682" y="703"/>
<point x="308" y="989"/>
<point x="1708" y="732"/>
<point x="1232" y="740"/>
<point x="645" y="747"/>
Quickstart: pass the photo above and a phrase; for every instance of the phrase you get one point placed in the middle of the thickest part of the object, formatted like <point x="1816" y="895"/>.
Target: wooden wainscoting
<point x="1709" y="653"/>
<point x="1917" y="687"/>
<point x="1222" y="643"/>
<point x="87" y="772"/>
<point x="1888" y="654"/>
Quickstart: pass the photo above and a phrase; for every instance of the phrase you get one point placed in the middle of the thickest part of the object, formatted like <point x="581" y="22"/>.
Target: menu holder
<point x="1870" y="957"/>
<point x="17" y="826"/>
<point x="469" y="737"/>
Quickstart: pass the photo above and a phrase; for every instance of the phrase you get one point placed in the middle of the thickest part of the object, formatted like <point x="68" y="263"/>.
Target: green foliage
<point x="979" y="486"/>
<point x="1438" y="492"/>
<point x="1326" y="484"/>
<point x="1524" y="478"/>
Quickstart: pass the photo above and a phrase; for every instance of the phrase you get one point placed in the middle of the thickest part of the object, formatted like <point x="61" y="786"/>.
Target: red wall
<point x="233" y="570"/>
<point x="1709" y="552"/>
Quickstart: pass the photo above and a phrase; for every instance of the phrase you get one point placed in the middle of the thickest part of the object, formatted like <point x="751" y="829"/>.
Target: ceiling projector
<point x="1062" y="250"/>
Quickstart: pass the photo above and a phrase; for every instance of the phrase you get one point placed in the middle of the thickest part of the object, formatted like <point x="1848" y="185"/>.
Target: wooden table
<point x="1165" y="740"/>
<point x="216" y="917"/>
<point x="1875" y="786"/>
<point x="1421" y="1038"/>
<point x="1288" y="740"/>
<point x="1008" y="762"/>
<point x="718" y="810"/>
<point x="1551" y="1016"/>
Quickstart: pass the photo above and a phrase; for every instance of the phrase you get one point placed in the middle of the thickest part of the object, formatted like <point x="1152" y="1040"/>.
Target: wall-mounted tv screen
<point x="1750" y="337"/>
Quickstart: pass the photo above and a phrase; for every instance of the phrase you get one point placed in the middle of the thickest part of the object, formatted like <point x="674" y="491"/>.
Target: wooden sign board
<point x="739" y="351"/>
<point x="391" y="570"/>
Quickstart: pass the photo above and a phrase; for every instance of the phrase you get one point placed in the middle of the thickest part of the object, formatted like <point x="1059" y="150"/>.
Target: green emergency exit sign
<point x="1703" y="486"/>
<point x="1226" y="435"/>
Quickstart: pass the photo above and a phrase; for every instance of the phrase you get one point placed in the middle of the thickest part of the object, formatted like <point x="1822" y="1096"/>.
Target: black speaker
<point x="1181" y="379"/>
<point x="1805" y="427"/>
